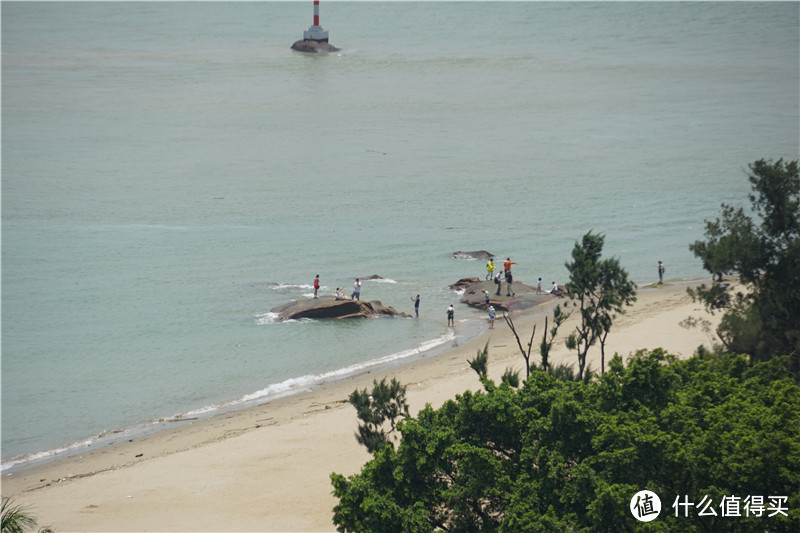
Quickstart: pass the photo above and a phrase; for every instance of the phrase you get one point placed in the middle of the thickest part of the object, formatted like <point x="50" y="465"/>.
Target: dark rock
<point x="480" y="255"/>
<point x="374" y="276"/>
<point x="313" y="47"/>
<point x="329" y="307"/>
<point x="464" y="282"/>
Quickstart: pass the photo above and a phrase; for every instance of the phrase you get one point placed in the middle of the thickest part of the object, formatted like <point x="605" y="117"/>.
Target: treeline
<point x="568" y="455"/>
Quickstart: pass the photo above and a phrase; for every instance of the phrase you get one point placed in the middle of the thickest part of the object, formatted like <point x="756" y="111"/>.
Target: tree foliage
<point x="600" y="289"/>
<point x="568" y="456"/>
<point x="559" y="317"/>
<point x="17" y="519"/>
<point x="480" y="364"/>
<point x="375" y="409"/>
<point x="762" y="317"/>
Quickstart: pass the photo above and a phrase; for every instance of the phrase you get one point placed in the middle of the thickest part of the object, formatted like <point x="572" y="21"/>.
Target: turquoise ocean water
<point x="173" y="171"/>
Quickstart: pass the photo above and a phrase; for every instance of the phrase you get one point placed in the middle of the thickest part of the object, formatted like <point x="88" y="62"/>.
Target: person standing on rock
<point x="488" y="297"/>
<point x="492" y="315"/>
<point x="316" y="285"/>
<point x="451" y="316"/>
<point x="507" y="264"/>
<point x="509" y="281"/>
<point x="490" y="268"/>
<point x="498" y="282"/>
<point x="539" y="286"/>
<point x="356" y="290"/>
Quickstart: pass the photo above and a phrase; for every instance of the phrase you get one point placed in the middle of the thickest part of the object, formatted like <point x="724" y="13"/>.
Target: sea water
<point x="173" y="171"/>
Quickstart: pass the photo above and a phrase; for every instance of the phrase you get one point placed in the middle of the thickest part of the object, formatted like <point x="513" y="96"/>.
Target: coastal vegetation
<point x="377" y="409"/>
<point x="600" y="289"/>
<point x="715" y="436"/>
<point x="761" y="314"/>
<point x="568" y="455"/>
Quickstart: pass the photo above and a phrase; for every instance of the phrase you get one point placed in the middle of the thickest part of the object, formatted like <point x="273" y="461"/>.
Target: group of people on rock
<point x="509" y="278"/>
<point x="339" y="293"/>
<point x="490" y="274"/>
<point x="490" y="268"/>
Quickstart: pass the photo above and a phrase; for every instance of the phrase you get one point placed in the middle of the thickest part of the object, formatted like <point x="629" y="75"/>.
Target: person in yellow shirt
<point x="490" y="269"/>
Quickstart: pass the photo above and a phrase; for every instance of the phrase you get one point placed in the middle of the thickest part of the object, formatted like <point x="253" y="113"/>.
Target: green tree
<point x="600" y="289"/>
<point x="615" y="291"/>
<point x="559" y="317"/>
<point x="385" y="403"/>
<point x="760" y="317"/>
<point x="480" y="364"/>
<point x="561" y="371"/>
<point x="568" y="456"/>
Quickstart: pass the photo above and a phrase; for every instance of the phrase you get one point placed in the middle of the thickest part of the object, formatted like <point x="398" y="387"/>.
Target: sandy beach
<point x="267" y="468"/>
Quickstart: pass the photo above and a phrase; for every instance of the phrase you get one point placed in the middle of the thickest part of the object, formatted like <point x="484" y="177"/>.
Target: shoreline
<point x="272" y="393"/>
<point x="267" y="466"/>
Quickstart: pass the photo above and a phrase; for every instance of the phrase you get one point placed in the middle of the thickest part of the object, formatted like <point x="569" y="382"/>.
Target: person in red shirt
<point x="316" y="285"/>
<point x="507" y="264"/>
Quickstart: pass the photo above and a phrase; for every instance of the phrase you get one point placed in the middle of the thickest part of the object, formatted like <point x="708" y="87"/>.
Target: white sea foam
<point x="277" y="390"/>
<point x="70" y="449"/>
<point x="43" y="456"/>
<point x="269" y="393"/>
<point x="266" y="318"/>
<point x="309" y="381"/>
<point x="291" y="286"/>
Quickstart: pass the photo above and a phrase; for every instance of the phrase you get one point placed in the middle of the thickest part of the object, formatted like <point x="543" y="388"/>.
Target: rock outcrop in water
<point x="329" y="307"/>
<point x="479" y="255"/>
<point x="313" y="47"/>
<point x="523" y="296"/>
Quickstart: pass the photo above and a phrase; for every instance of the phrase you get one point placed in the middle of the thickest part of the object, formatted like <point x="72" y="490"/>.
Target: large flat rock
<point x="524" y="296"/>
<point x="329" y="307"/>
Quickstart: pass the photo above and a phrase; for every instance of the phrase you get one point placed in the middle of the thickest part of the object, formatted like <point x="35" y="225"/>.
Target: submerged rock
<point x="313" y="47"/>
<point x="329" y="307"/>
<point x="480" y="254"/>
